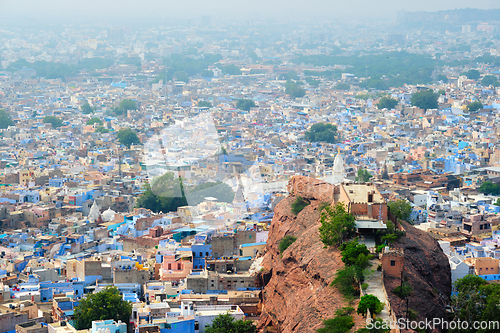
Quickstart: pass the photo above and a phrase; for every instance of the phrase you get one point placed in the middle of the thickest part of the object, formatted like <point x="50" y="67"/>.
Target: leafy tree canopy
<point x="164" y="194"/>
<point x="474" y="106"/>
<point x="387" y="103"/>
<point x="401" y="209"/>
<point x="207" y="73"/>
<point x="351" y="251"/>
<point x="86" y="108"/>
<point x="426" y="99"/>
<point x="225" y="323"/>
<point x="337" y="225"/>
<point x="106" y="304"/>
<point x="219" y="190"/>
<point x="322" y="132"/>
<point x="127" y="137"/>
<point x="363" y="176"/>
<point x="94" y="120"/>
<point x="231" y="70"/>
<point x="490" y="80"/>
<point x="289" y="76"/>
<point x="204" y="104"/>
<point x="128" y="104"/>
<point x="245" y="104"/>
<point x="342" y="86"/>
<point x="369" y="302"/>
<point x="56" y="122"/>
<point x="101" y="129"/>
<point x="489" y="188"/>
<point x="5" y="119"/>
<point x="473" y="74"/>
<point x="294" y="89"/>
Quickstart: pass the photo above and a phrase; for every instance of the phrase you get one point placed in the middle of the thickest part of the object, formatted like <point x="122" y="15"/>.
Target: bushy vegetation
<point x="87" y="109"/>
<point x="474" y="106"/>
<point x="204" y="104"/>
<point x="489" y="188"/>
<point x="219" y="190"/>
<point x="231" y="70"/>
<point x="355" y="254"/>
<point x="294" y="89"/>
<point x="299" y="204"/>
<point x="104" y="305"/>
<point x="225" y="323"/>
<point x="55" y="121"/>
<point x="164" y="194"/>
<point x="342" y="86"/>
<point x="490" y="80"/>
<point x="401" y="209"/>
<point x="93" y="121"/>
<point x="399" y="67"/>
<point x="5" y="119"/>
<point x="127" y="137"/>
<point x="322" y="132"/>
<point x="187" y="64"/>
<point x="286" y="242"/>
<point x="245" y="104"/>
<point x="369" y="302"/>
<point x="426" y="99"/>
<point x="337" y="225"/>
<point x="404" y="290"/>
<point x="341" y="323"/>
<point x="387" y="103"/>
<point x="363" y="176"/>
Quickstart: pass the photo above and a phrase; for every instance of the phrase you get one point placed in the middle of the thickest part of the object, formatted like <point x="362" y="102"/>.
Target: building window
<point x="206" y="254"/>
<point x="179" y="266"/>
<point x="196" y="326"/>
<point x="393" y="262"/>
<point x="169" y="266"/>
<point x="201" y="254"/>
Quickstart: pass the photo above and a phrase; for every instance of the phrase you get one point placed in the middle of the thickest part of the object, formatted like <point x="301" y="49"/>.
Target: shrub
<point x="351" y="251"/>
<point x="369" y="302"/>
<point x="364" y="286"/>
<point x="346" y="281"/>
<point x="299" y="204"/>
<point x="286" y="242"/>
<point x="404" y="290"/>
<point x="337" y="225"/>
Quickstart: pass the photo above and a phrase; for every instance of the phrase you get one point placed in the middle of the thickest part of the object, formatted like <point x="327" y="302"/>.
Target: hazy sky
<point x="232" y="8"/>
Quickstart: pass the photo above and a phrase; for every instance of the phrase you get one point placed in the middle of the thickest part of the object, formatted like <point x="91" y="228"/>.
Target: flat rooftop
<point x="359" y="192"/>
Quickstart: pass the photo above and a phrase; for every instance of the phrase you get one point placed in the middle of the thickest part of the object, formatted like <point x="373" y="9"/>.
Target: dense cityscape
<point x="207" y="176"/>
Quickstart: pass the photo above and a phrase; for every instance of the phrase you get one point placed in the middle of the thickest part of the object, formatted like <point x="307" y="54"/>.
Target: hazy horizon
<point x="77" y="12"/>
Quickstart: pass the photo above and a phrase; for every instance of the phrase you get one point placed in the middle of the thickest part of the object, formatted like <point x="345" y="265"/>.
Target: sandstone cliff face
<point x="427" y="269"/>
<point x="297" y="296"/>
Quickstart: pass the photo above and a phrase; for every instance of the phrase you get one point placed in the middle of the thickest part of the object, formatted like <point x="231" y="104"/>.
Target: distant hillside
<point x="456" y="17"/>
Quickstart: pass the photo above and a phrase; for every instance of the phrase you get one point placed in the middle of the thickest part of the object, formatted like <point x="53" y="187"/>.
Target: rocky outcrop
<point x="297" y="296"/>
<point x="427" y="270"/>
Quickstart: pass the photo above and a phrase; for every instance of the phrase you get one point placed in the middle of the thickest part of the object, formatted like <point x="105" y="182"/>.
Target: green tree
<point x="86" y="108"/>
<point x="245" y="104"/>
<point x="426" y="99"/>
<point x="207" y="73"/>
<point x="127" y="137"/>
<point x="497" y="203"/>
<point x="5" y="119"/>
<point x="204" y="104"/>
<point x="56" y="122"/>
<point x="369" y="302"/>
<point x="106" y="304"/>
<point x="363" y="176"/>
<point x="401" y="209"/>
<point x="387" y="103"/>
<point x="231" y="70"/>
<point x="221" y="191"/>
<point x="127" y="104"/>
<point x="473" y="74"/>
<point x="474" y="106"/>
<point x="443" y="78"/>
<point x="164" y="194"/>
<point x="181" y="76"/>
<point x="93" y="121"/>
<point x="101" y="129"/>
<point x="225" y="323"/>
<point x="337" y="225"/>
<point x="489" y="188"/>
<point x="322" y="132"/>
<point x="339" y="324"/>
<point x="404" y="290"/>
<point x="351" y="252"/>
<point x="441" y="92"/>
<point x="285" y="242"/>
<point x="342" y="86"/>
<point x="299" y="204"/>
<point x="347" y="280"/>
<point x="490" y="80"/>
<point x="294" y="89"/>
